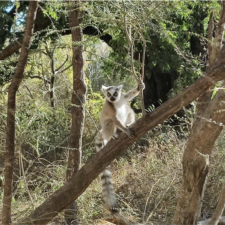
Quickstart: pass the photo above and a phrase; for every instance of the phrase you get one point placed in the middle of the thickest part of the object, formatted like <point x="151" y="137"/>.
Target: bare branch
<point x="41" y="78"/>
<point x="142" y="73"/>
<point x="67" y="57"/>
<point x="131" y="44"/>
<point x="44" y="53"/>
<point x="27" y="90"/>
<point x="65" y="69"/>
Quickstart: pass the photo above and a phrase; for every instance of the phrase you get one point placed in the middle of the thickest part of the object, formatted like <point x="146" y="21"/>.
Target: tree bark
<point x="10" y="130"/>
<point x="77" y="101"/>
<point x="80" y="181"/>
<point x="206" y="129"/>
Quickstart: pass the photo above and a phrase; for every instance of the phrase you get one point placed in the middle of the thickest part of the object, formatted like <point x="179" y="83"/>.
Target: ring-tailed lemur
<point x="116" y="114"/>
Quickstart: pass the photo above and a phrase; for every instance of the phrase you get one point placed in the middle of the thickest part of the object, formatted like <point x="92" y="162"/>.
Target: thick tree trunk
<point x="10" y="130"/>
<point x="80" y="181"/>
<point x="205" y="131"/>
<point x="78" y="101"/>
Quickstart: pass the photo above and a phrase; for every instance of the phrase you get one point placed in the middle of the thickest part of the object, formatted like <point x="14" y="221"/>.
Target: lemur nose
<point x="112" y="99"/>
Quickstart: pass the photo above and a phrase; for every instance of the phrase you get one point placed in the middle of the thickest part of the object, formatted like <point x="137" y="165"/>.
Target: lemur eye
<point x="108" y="94"/>
<point x="115" y="94"/>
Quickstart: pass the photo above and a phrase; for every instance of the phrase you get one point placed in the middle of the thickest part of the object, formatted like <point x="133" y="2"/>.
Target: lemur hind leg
<point x="130" y="116"/>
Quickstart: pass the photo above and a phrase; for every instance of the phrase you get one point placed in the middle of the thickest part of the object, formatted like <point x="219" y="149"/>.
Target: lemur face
<point x="112" y="93"/>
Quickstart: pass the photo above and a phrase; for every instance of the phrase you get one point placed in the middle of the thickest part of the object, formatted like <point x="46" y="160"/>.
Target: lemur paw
<point x="141" y="85"/>
<point x="130" y="133"/>
<point x="115" y="136"/>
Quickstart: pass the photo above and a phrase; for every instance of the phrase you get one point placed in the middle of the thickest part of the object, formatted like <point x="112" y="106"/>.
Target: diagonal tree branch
<point x="82" y="179"/>
<point x="57" y="70"/>
<point x="39" y="77"/>
<point x="65" y="69"/>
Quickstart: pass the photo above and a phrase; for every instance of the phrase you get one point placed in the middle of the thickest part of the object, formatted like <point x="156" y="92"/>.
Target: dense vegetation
<point x="148" y="176"/>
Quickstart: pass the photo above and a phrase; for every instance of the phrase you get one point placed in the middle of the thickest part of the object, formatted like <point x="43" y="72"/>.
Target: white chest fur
<point x="122" y="113"/>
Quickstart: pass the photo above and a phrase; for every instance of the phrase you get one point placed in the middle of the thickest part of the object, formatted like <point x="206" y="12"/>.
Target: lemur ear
<point x="103" y="89"/>
<point x="120" y="87"/>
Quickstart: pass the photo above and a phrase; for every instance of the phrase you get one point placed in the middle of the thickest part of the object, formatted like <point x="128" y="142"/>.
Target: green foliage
<point x="94" y="103"/>
<point x="43" y="128"/>
<point x="7" y="69"/>
<point x="6" y="21"/>
<point x="168" y="36"/>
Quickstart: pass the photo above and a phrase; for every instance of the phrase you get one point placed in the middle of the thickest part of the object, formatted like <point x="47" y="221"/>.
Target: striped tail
<point x="107" y="188"/>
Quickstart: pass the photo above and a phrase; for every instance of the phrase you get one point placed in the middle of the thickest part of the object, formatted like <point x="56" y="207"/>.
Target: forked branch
<point x="131" y="45"/>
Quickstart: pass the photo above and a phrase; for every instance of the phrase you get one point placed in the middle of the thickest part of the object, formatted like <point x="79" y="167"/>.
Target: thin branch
<point x="161" y="197"/>
<point x="67" y="57"/>
<point x="111" y="61"/>
<point x="149" y="197"/>
<point x="65" y="69"/>
<point x="39" y="77"/>
<point x="47" y="49"/>
<point x="131" y="44"/>
<point x="44" y="53"/>
<point x="27" y="89"/>
<point x="24" y="177"/>
<point x="142" y="73"/>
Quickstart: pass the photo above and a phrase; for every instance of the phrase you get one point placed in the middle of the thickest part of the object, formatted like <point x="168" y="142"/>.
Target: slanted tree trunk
<point x="205" y="131"/>
<point x="10" y="130"/>
<point x="72" y="189"/>
<point x="77" y="102"/>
